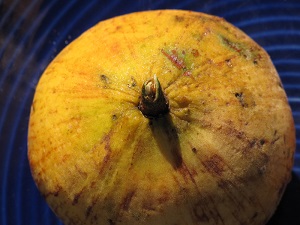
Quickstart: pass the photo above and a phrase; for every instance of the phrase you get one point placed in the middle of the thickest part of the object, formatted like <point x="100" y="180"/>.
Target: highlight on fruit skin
<point x="182" y="122"/>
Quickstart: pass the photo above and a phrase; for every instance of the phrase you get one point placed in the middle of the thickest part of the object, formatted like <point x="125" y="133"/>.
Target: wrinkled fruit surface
<point x="222" y="155"/>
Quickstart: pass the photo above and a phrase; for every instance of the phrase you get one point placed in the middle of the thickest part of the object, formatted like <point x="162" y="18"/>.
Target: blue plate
<point x="32" y="32"/>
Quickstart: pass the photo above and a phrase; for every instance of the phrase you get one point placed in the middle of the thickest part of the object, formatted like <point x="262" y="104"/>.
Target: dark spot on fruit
<point x="241" y="98"/>
<point x="256" y="59"/>
<point x="262" y="142"/>
<point x="111" y="222"/>
<point x="238" y="95"/>
<point x="254" y="143"/>
<point x="228" y="62"/>
<point x="114" y="117"/>
<point x="214" y="165"/>
<point x="194" y="150"/>
<point x="262" y="170"/>
<point x="133" y="83"/>
<point x="56" y="193"/>
<point x="104" y="79"/>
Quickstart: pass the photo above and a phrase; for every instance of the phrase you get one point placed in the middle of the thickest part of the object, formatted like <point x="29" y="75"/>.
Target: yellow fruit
<point x="161" y="117"/>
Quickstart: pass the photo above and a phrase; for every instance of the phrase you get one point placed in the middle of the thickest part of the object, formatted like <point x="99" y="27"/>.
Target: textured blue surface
<point x="32" y="32"/>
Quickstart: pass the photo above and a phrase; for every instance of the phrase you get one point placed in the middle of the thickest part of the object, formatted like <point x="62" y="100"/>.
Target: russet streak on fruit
<point x="181" y="122"/>
<point x="179" y="63"/>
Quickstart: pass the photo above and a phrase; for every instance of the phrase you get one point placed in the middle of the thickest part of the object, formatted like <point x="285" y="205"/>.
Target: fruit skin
<point x="222" y="155"/>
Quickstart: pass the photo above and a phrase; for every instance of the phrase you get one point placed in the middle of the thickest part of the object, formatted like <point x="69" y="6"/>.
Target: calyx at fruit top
<point x="153" y="102"/>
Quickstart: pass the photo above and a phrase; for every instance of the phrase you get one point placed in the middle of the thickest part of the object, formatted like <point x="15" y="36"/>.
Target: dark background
<point x="32" y="32"/>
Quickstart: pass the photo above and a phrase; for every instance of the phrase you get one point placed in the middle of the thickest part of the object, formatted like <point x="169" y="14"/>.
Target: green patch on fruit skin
<point x="241" y="49"/>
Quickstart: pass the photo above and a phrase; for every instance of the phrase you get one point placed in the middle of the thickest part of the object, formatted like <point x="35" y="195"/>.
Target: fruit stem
<point x="153" y="102"/>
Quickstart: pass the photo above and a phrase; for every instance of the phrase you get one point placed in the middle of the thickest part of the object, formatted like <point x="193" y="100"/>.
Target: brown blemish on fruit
<point x="255" y="143"/>
<point x="163" y="198"/>
<point x="126" y="201"/>
<point x="179" y="18"/>
<point x="54" y="193"/>
<point x="187" y="174"/>
<point x="81" y="172"/>
<point x="195" y="53"/>
<point x="108" y="150"/>
<point x="233" y="132"/>
<point x="89" y="209"/>
<point x="76" y="197"/>
<point x="275" y="140"/>
<point x="214" y="165"/>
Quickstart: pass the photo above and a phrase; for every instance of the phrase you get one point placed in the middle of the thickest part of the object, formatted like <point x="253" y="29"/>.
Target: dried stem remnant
<point x="153" y="102"/>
